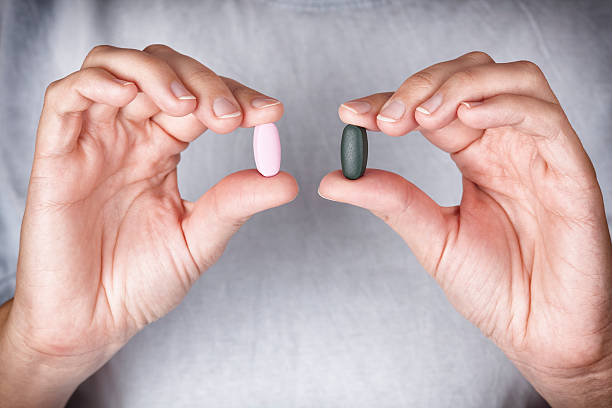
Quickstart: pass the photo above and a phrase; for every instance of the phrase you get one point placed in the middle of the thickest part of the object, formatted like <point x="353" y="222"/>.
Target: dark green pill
<point x="354" y="151"/>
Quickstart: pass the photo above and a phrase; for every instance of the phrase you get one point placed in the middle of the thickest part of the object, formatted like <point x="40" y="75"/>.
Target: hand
<point x="108" y="245"/>
<point x="526" y="256"/>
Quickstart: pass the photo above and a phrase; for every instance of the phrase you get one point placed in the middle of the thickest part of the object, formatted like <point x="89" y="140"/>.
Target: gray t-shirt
<point x="314" y="304"/>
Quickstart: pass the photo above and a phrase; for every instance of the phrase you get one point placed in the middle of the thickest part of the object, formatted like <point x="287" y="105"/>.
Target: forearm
<point x="28" y="378"/>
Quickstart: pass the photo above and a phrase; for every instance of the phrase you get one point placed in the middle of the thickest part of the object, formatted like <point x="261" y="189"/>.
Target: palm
<point x="517" y="239"/>
<point x="108" y="245"/>
<point x="125" y="216"/>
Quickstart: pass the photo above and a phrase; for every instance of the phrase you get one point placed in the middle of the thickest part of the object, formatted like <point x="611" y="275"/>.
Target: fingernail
<point x="471" y="104"/>
<point x="392" y="111"/>
<point x="224" y="109"/>
<point x="260" y="103"/>
<point x="180" y="91"/>
<point x="429" y="106"/>
<point x="122" y="82"/>
<point x="359" y="107"/>
<point x="321" y="195"/>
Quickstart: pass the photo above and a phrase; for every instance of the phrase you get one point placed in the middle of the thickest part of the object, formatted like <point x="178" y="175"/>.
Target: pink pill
<point x="267" y="149"/>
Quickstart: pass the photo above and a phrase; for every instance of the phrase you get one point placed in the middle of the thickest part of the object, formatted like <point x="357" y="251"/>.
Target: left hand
<point x="108" y="245"/>
<point x="526" y="256"/>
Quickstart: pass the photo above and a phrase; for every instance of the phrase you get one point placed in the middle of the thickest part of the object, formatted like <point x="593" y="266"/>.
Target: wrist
<point x="585" y="386"/>
<point x="30" y="377"/>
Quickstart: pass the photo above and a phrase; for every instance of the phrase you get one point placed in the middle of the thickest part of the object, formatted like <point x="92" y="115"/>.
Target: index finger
<point x="152" y="75"/>
<point x="396" y="117"/>
<point x="217" y="107"/>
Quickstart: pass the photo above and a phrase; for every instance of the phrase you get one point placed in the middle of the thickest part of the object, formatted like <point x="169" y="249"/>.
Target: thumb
<point x="212" y="220"/>
<point x="422" y="223"/>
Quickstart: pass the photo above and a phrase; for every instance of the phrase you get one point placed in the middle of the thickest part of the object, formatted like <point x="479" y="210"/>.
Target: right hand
<point x="107" y="244"/>
<point x="526" y="255"/>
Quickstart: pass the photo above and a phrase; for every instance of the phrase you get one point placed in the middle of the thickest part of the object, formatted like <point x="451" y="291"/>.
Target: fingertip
<point x="437" y="118"/>
<point x="265" y="192"/>
<point x="395" y="118"/>
<point x="357" y="107"/>
<point x="223" y="126"/>
<point x="463" y="110"/>
<point x="426" y="119"/>
<point x="112" y="93"/>
<point x="326" y="185"/>
<point x="350" y="117"/>
<point x="281" y="109"/>
<point x="174" y="99"/>
<point x="362" y="111"/>
<point x="288" y="187"/>
<point x="335" y="187"/>
<point x="345" y="114"/>
<point x="126" y="92"/>
<point x="376" y="190"/>
<point x="257" y="108"/>
<point x="263" y="102"/>
<point x="221" y="114"/>
<point x="396" y="129"/>
<point x="469" y="113"/>
<point x="268" y="110"/>
<point x="174" y="106"/>
<point x="276" y="111"/>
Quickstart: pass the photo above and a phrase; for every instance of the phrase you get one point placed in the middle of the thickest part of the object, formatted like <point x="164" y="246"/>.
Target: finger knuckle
<point x="152" y="61"/>
<point x="59" y="92"/>
<point x="200" y="75"/>
<point x="465" y="77"/>
<point x="90" y="72"/>
<point x="558" y="115"/>
<point x="422" y="79"/>
<point x="156" y="48"/>
<point x="232" y="84"/>
<point x="96" y="51"/>
<point x="532" y="70"/>
<point x="478" y="57"/>
<point x="557" y="110"/>
<point x="52" y="90"/>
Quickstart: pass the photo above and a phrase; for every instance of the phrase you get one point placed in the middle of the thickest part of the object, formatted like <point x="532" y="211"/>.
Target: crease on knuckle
<point x="422" y="79"/>
<point x="478" y="57"/>
<point x="465" y="77"/>
<point x="233" y="85"/>
<point x="156" y="48"/>
<point x="200" y="76"/>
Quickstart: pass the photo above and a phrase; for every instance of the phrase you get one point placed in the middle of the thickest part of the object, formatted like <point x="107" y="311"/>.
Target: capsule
<point x="267" y="149"/>
<point x="354" y="151"/>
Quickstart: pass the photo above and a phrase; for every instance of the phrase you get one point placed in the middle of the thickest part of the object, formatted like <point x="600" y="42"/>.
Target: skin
<point x="107" y="244"/>
<point x="526" y="256"/>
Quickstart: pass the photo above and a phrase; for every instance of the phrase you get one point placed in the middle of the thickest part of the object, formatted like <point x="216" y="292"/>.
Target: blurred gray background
<point x="314" y="303"/>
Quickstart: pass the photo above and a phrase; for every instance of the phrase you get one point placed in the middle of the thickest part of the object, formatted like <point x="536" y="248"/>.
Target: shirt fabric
<point x="313" y="304"/>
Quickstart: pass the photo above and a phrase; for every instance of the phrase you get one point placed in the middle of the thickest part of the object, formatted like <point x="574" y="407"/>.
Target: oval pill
<point x="354" y="151"/>
<point x="267" y="149"/>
